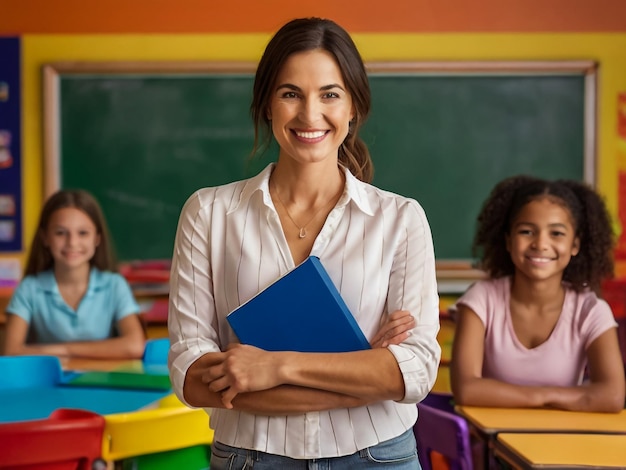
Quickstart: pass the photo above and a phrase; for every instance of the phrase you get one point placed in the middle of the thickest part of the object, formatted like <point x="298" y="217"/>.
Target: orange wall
<point x="237" y="16"/>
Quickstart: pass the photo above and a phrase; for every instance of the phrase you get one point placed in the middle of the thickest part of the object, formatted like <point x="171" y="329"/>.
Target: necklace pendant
<point x="302" y="233"/>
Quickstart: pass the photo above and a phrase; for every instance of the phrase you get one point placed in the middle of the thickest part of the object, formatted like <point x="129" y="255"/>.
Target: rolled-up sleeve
<point x="413" y="287"/>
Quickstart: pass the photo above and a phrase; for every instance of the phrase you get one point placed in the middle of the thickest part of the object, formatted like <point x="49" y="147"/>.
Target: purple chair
<point x="439" y="429"/>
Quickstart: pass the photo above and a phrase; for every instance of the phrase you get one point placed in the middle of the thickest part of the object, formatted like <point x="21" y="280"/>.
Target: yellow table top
<point x="162" y="426"/>
<point x="169" y="425"/>
<point x="551" y="450"/>
<point x="496" y="420"/>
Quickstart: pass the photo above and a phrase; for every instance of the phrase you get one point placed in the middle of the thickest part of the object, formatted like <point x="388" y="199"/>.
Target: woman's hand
<point x="241" y="368"/>
<point x="396" y="329"/>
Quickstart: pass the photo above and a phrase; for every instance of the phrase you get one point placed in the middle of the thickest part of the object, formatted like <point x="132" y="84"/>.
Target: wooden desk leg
<point x="503" y="459"/>
<point x="483" y="456"/>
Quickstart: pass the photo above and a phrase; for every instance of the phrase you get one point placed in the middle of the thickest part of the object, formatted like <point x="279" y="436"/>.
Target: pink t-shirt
<point x="560" y="360"/>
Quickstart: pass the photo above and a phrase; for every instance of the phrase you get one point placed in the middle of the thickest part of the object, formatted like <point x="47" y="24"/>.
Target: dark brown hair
<point x="306" y="34"/>
<point x="590" y="217"/>
<point x="40" y="258"/>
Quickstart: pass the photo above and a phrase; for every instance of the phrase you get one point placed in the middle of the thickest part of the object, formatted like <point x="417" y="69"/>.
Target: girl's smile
<point x="71" y="237"/>
<point x="542" y="239"/>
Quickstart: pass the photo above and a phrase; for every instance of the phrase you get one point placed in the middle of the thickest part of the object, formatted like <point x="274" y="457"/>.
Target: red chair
<point x="67" y="440"/>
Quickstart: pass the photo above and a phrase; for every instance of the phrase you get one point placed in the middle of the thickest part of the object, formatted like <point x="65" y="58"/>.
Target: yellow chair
<point x="169" y="426"/>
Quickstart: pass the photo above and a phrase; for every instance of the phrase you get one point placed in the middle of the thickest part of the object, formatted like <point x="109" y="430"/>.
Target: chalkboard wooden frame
<point x="448" y="269"/>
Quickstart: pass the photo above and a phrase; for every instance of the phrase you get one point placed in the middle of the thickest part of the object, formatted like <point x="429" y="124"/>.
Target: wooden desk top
<point x="562" y="451"/>
<point x="498" y="420"/>
<point x="82" y="364"/>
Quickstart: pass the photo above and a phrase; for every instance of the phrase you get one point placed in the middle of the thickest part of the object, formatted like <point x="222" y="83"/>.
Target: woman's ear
<point x="576" y="246"/>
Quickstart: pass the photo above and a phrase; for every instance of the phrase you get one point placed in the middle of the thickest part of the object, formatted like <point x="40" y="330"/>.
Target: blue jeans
<point x="399" y="453"/>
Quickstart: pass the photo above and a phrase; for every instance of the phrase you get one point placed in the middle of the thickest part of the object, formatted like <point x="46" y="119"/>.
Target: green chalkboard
<point x="142" y="143"/>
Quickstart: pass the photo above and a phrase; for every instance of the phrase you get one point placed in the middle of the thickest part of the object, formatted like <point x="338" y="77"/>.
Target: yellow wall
<point x="605" y="48"/>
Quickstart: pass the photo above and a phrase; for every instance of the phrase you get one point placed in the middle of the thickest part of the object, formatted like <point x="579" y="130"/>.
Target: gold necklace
<point x="302" y="230"/>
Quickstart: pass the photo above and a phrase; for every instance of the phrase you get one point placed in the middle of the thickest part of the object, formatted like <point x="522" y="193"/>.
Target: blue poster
<point x="10" y="146"/>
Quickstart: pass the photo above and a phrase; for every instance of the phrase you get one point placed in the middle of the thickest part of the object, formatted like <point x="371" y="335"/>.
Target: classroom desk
<point x="491" y="421"/>
<point x="561" y="451"/>
<point x="168" y="427"/>
<point x="163" y="434"/>
<point x="82" y="364"/>
<point x="487" y="423"/>
<point x="38" y="402"/>
<point x="138" y="423"/>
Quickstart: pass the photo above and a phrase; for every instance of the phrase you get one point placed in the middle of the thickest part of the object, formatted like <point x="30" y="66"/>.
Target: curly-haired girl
<point x="526" y="335"/>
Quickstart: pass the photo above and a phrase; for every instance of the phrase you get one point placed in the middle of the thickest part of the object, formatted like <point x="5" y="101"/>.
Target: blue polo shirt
<point x="38" y="301"/>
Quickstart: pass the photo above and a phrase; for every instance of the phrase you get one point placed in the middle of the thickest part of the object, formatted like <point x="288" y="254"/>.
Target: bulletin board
<point x="10" y="147"/>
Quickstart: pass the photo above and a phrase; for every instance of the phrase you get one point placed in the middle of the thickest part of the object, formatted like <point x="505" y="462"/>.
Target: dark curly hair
<point x="589" y="214"/>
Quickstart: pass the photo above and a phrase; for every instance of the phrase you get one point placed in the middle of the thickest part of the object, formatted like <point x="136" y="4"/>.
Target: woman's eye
<point x="331" y="94"/>
<point x="290" y="94"/>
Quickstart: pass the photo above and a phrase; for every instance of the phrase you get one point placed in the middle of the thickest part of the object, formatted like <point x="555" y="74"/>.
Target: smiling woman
<point x="310" y="114"/>
<point x="311" y="96"/>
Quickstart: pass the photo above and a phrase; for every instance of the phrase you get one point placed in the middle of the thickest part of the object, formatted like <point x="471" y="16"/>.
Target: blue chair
<point x="29" y="371"/>
<point x="155" y="353"/>
<point x="439" y="430"/>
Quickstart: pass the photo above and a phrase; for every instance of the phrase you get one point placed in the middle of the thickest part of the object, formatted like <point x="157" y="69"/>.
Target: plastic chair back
<point x="156" y="352"/>
<point x="29" y="371"/>
<point x="441" y="431"/>
<point x="67" y="439"/>
<point x="441" y="401"/>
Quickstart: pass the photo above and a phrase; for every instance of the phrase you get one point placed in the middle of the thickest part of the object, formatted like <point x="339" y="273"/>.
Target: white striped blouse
<point x="377" y="248"/>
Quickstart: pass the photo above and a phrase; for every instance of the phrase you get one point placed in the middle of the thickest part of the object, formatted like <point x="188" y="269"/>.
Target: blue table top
<point x="38" y="402"/>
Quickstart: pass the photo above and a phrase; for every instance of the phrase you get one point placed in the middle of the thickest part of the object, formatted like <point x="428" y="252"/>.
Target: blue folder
<point x="301" y="311"/>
